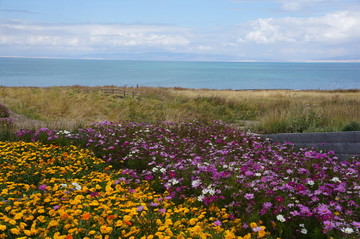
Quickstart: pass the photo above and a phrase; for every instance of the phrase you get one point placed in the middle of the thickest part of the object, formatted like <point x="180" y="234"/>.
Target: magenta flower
<point x="42" y="187"/>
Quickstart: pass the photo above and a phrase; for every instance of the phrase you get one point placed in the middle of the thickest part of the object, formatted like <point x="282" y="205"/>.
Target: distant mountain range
<point x="342" y="58"/>
<point x="171" y="56"/>
<point x="180" y="56"/>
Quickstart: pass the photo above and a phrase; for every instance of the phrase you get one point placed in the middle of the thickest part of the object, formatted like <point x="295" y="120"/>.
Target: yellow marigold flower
<point x="53" y="223"/>
<point x="2" y="227"/>
<point x="253" y="225"/>
<point x="150" y="237"/>
<point x="94" y="203"/>
<point x="106" y="230"/>
<point x="12" y="222"/>
<point x="22" y="225"/>
<point x="28" y="233"/>
<point x="92" y="232"/>
<point x="168" y="222"/>
<point x="119" y="223"/>
<point x="127" y="218"/>
<point x="41" y="218"/>
<point x="41" y="210"/>
<point x="192" y="221"/>
<point x="177" y="223"/>
<point x="18" y="216"/>
<point x="162" y="228"/>
<point x="261" y="233"/>
<point x="247" y="236"/>
<point x="169" y="232"/>
<point x="15" y="231"/>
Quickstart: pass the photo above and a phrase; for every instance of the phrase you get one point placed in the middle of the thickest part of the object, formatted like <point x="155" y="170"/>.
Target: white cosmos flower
<point x="336" y="179"/>
<point x="200" y="198"/>
<point x="310" y="182"/>
<point x="347" y="230"/>
<point x="196" y="183"/>
<point x="281" y="218"/>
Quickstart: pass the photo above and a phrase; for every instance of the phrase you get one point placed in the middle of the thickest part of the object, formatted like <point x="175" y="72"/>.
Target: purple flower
<point x="148" y="177"/>
<point x="356" y="224"/>
<point x="217" y="223"/>
<point x="140" y="208"/>
<point x="42" y="187"/>
<point x="94" y="194"/>
<point x="162" y="210"/>
<point x="323" y="209"/>
<point x="328" y="225"/>
<point x="249" y="196"/>
<point x="267" y="204"/>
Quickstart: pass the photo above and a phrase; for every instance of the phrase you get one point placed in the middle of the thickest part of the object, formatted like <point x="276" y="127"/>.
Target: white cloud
<point x="19" y="33"/>
<point x="299" y="5"/>
<point x="335" y="28"/>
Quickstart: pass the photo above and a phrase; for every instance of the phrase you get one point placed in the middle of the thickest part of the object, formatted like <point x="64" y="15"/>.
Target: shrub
<point x="4" y="111"/>
<point x="352" y="126"/>
<point x="6" y="129"/>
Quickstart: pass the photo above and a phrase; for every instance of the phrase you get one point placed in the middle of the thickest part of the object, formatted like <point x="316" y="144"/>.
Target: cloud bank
<point x="292" y="38"/>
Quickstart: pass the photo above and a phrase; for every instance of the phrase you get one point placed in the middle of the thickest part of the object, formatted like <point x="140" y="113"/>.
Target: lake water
<point x="212" y="75"/>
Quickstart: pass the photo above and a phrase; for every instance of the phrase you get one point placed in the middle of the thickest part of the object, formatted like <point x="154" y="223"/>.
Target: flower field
<point x="168" y="180"/>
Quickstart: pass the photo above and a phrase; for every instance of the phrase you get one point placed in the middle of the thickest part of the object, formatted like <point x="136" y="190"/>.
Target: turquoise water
<point x="213" y="75"/>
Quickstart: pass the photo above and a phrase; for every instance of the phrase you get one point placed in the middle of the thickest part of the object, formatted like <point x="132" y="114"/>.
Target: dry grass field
<point x="262" y="111"/>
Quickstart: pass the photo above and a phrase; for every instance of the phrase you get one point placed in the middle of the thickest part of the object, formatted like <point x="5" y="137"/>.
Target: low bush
<point x="352" y="126"/>
<point x="4" y="111"/>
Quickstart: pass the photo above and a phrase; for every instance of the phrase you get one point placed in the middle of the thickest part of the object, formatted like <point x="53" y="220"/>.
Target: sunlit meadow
<point x="168" y="180"/>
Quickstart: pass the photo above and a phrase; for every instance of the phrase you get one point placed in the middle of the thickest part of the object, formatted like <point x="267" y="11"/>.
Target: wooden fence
<point x="121" y="93"/>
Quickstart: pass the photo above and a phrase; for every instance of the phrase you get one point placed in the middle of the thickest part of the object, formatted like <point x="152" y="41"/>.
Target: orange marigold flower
<point x="64" y="216"/>
<point x="110" y="217"/>
<point x="127" y="223"/>
<point x="261" y="233"/>
<point x="69" y="237"/>
<point x="86" y="216"/>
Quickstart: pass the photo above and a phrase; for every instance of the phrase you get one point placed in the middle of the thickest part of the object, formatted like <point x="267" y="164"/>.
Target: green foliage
<point x="297" y="120"/>
<point x="352" y="126"/>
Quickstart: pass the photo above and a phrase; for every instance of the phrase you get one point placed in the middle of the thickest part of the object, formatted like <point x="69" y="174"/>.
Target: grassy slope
<point x="273" y="111"/>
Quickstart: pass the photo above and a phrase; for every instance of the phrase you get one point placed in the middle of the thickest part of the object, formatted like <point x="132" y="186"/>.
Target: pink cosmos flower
<point x="217" y="223"/>
<point x="249" y="196"/>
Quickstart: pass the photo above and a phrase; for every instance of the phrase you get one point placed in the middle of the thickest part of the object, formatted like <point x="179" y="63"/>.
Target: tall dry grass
<point x="264" y="111"/>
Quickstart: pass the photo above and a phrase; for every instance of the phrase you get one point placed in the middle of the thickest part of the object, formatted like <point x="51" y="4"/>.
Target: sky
<point x="207" y="30"/>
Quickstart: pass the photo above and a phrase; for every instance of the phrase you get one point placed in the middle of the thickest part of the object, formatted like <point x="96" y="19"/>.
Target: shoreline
<point x="175" y="88"/>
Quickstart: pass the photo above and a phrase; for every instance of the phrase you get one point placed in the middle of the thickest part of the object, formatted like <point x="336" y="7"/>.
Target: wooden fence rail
<point x="122" y="93"/>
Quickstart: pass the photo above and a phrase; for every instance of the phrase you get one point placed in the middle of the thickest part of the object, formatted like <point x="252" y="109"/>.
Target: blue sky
<point x="222" y="30"/>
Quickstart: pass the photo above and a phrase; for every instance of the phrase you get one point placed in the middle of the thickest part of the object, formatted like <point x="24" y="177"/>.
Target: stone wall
<point x="344" y="144"/>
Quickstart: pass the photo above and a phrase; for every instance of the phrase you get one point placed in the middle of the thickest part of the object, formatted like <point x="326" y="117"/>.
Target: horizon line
<point x="234" y="61"/>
